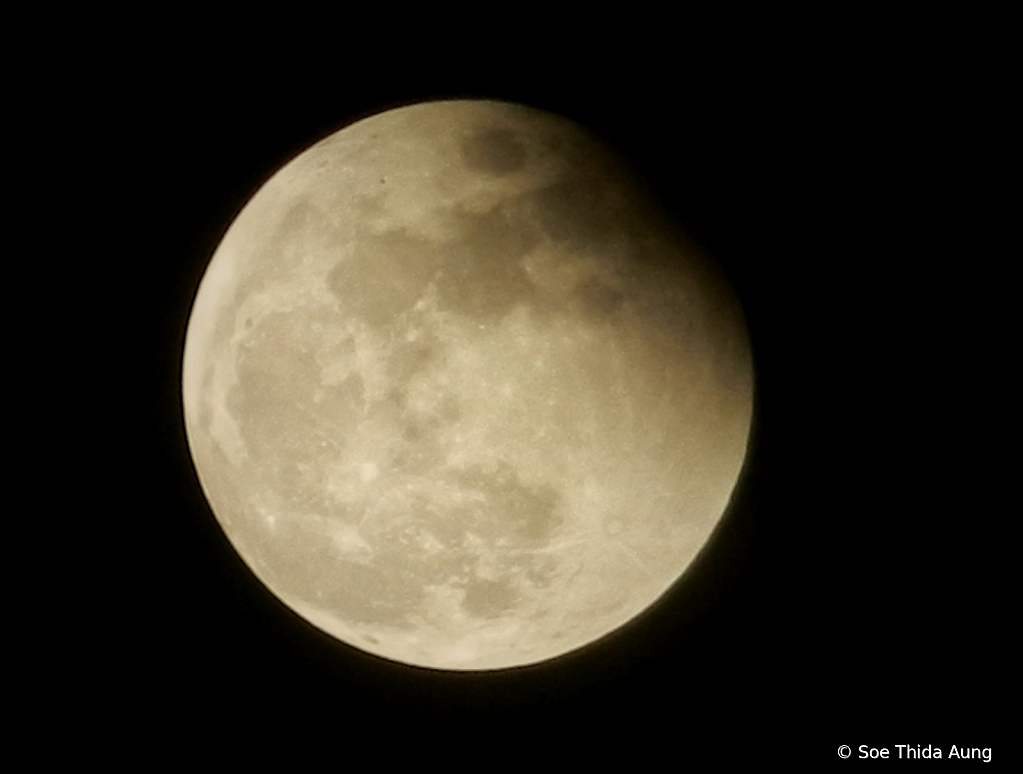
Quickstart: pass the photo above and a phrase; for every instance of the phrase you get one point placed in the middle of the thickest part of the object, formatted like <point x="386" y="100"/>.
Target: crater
<point x="494" y="152"/>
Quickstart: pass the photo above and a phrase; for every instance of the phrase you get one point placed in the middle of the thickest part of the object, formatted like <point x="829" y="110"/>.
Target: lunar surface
<point x="457" y="393"/>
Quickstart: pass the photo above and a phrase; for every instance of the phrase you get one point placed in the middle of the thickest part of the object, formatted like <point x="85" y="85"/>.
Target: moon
<point x="458" y="392"/>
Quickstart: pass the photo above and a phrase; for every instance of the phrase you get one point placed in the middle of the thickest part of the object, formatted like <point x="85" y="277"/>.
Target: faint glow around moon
<point x="457" y="393"/>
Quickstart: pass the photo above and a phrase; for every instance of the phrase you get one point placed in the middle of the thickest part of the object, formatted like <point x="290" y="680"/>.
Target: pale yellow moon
<point x="457" y="393"/>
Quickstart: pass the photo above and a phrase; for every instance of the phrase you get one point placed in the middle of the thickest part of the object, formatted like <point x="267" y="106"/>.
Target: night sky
<point x="848" y="592"/>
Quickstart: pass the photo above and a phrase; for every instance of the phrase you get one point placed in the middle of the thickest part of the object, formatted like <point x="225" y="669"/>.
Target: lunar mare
<point x="457" y="393"/>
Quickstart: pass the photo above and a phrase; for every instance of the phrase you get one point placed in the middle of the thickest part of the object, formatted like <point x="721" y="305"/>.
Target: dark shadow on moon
<point x="598" y="301"/>
<point x="494" y="151"/>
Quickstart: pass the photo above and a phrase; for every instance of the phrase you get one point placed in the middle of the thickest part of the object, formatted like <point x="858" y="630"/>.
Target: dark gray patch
<point x="576" y="210"/>
<point x="409" y="358"/>
<point x="478" y="274"/>
<point x="385" y="276"/>
<point x="418" y="452"/>
<point x="510" y="508"/>
<point x="396" y="397"/>
<point x="484" y="278"/>
<point x="415" y="447"/>
<point x="450" y="410"/>
<point x="541" y="569"/>
<point x="533" y="512"/>
<point x="596" y="299"/>
<point x="494" y="151"/>
<point x="449" y="527"/>
<point x="343" y="405"/>
<point x="351" y="390"/>
<point x="488" y="599"/>
<point x="413" y="430"/>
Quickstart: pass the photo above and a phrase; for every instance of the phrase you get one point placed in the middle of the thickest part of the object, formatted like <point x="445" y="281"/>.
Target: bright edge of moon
<point x="458" y="394"/>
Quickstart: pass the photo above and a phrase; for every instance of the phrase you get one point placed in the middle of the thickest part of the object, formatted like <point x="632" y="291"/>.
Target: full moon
<point x="458" y="392"/>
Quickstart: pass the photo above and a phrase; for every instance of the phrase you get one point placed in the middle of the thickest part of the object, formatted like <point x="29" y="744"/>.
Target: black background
<point x="850" y="595"/>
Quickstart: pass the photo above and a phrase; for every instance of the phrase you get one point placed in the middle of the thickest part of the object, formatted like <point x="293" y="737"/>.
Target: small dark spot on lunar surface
<point x="494" y="151"/>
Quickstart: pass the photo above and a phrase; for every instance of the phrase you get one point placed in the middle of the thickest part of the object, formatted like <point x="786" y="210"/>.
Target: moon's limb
<point x="457" y="394"/>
